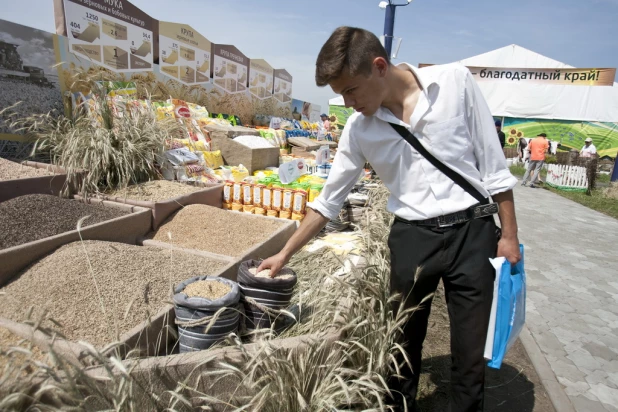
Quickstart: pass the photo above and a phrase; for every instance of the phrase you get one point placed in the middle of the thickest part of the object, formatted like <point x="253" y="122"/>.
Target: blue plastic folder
<point x="510" y="309"/>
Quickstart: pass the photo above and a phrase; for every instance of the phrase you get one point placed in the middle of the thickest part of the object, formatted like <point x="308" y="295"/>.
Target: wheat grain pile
<point x="133" y="282"/>
<point x="215" y="230"/>
<point x="155" y="191"/>
<point x="33" y="217"/>
<point x="209" y="289"/>
<point x="12" y="170"/>
<point x="266" y="274"/>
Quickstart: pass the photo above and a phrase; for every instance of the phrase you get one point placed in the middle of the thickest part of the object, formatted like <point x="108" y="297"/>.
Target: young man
<point x="443" y="107"/>
<point x="501" y="135"/>
<point x="538" y="147"/>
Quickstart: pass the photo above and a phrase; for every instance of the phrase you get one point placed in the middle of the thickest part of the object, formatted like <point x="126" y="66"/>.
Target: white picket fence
<point x="568" y="177"/>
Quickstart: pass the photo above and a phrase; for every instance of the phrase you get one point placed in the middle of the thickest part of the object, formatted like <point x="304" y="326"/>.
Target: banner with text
<point x="115" y="34"/>
<point x="184" y="54"/>
<point x="230" y="68"/>
<point x="573" y="77"/>
<point x="261" y="77"/>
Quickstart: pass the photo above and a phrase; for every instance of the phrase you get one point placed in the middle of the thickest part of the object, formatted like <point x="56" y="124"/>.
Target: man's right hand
<point x="274" y="263"/>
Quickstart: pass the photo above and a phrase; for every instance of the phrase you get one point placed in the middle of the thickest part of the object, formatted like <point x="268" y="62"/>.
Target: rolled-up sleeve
<point x="345" y="171"/>
<point x="495" y="175"/>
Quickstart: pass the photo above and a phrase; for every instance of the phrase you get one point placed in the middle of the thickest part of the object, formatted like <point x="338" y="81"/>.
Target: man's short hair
<point x="542" y="134"/>
<point x="348" y="48"/>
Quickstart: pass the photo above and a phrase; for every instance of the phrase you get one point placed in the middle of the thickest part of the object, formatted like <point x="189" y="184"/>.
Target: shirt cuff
<point x="499" y="182"/>
<point x="325" y="209"/>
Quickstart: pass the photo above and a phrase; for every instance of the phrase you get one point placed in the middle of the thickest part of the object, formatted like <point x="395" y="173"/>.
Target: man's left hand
<point x="509" y="248"/>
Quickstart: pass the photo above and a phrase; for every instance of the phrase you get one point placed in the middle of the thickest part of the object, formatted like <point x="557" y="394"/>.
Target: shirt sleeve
<point x="495" y="175"/>
<point x="344" y="173"/>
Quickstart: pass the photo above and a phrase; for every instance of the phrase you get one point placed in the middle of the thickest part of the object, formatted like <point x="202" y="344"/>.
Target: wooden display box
<point x="123" y="229"/>
<point x="44" y="185"/>
<point x="212" y="195"/>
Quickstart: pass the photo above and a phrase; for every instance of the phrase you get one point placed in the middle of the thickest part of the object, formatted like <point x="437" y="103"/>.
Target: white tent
<point x="538" y="101"/>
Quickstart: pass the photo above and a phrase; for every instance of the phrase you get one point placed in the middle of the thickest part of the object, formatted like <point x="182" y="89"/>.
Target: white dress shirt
<point x="452" y="120"/>
<point x="588" y="151"/>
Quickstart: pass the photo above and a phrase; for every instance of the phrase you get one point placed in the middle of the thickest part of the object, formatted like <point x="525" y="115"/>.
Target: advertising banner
<point x="230" y="68"/>
<point x="112" y="33"/>
<point x="569" y="134"/>
<point x="261" y="79"/>
<point x="184" y="54"/>
<point x="283" y="86"/>
<point x="572" y="77"/>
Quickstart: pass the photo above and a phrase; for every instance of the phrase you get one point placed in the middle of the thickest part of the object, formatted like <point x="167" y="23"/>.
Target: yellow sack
<point x="239" y="173"/>
<point x="213" y="159"/>
<point x="200" y="146"/>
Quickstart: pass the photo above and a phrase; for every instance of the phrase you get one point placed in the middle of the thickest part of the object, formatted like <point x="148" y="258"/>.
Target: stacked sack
<point x="264" y="297"/>
<point x="207" y="311"/>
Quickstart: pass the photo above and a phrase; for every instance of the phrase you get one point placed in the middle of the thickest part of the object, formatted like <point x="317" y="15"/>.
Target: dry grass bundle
<point x="116" y="150"/>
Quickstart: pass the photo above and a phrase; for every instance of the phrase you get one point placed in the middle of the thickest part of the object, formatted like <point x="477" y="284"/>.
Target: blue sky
<point x="289" y="33"/>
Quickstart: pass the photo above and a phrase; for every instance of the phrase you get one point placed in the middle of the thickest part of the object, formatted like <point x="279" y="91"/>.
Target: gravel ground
<point x="155" y="191"/>
<point x="133" y="282"/>
<point x="215" y="230"/>
<point x="11" y="170"/>
<point x="209" y="289"/>
<point x="32" y="217"/>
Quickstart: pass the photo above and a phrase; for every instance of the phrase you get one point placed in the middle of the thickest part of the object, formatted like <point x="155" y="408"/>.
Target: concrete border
<point x="554" y="389"/>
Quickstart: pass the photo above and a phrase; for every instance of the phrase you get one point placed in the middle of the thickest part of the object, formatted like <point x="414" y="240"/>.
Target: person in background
<point x="538" y="148"/>
<point x="501" y="135"/>
<point x="438" y="225"/>
<point x="325" y="121"/>
<point x="588" y="150"/>
<point x="522" y="150"/>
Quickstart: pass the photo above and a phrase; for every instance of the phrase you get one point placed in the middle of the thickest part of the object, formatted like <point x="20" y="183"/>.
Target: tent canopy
<point x="538" y="101"/>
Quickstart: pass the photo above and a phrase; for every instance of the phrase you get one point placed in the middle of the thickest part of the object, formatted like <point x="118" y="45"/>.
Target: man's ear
<point x="381" y="65"/>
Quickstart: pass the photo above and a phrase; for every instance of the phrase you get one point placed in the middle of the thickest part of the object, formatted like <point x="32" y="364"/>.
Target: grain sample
<point x="155" y="191"/>
<point x="32" y="217"/>
<point x="215" y="230"/>
<point x="127" y="284"/>
<point x="12" y="170"/>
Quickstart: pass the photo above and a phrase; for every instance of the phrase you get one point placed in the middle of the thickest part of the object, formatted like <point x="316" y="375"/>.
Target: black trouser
<point x="459" y="255"/>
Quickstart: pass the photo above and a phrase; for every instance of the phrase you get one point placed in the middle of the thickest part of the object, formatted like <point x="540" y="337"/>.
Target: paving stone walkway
<point x="571" y="257"/>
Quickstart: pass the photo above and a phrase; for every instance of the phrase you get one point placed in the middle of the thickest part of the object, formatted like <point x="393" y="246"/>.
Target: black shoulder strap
<point x="454" y="176"/>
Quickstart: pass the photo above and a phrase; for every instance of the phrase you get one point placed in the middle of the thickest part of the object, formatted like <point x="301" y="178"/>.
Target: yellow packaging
<point x="257" y="195"/>
<point x="237" y="193"/>
<point x="247" y="194"/>
<point x="239" y="173"/>
<point x="227" y="206"/>
<point x="272" y="213"/>
<point x="277" y="199"/>
<point x="300" y="202"/>
<point x="266" y="198"/>
<point x="213" y="159"/>
<point x="227" y="192"/>
<point x="288" y="199"/>
<point x="285" y="214"/>
<point x="259" y="211"/>
<point x="297" y="216"/>
<point x="248" y="208"/>
<point x="236" y="207"/>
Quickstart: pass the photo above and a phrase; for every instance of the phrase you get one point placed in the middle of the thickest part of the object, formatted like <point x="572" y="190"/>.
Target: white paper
<point x="491" y="330"/>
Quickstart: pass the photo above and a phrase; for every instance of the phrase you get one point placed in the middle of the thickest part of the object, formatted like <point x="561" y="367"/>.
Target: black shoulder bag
<point x="450" y="173"/>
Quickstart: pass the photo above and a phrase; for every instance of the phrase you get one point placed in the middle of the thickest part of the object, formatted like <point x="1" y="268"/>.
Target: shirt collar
<point x="428" y="85"/>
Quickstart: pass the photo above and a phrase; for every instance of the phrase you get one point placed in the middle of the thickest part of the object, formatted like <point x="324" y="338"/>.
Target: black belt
<point x="451" y="219"/>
